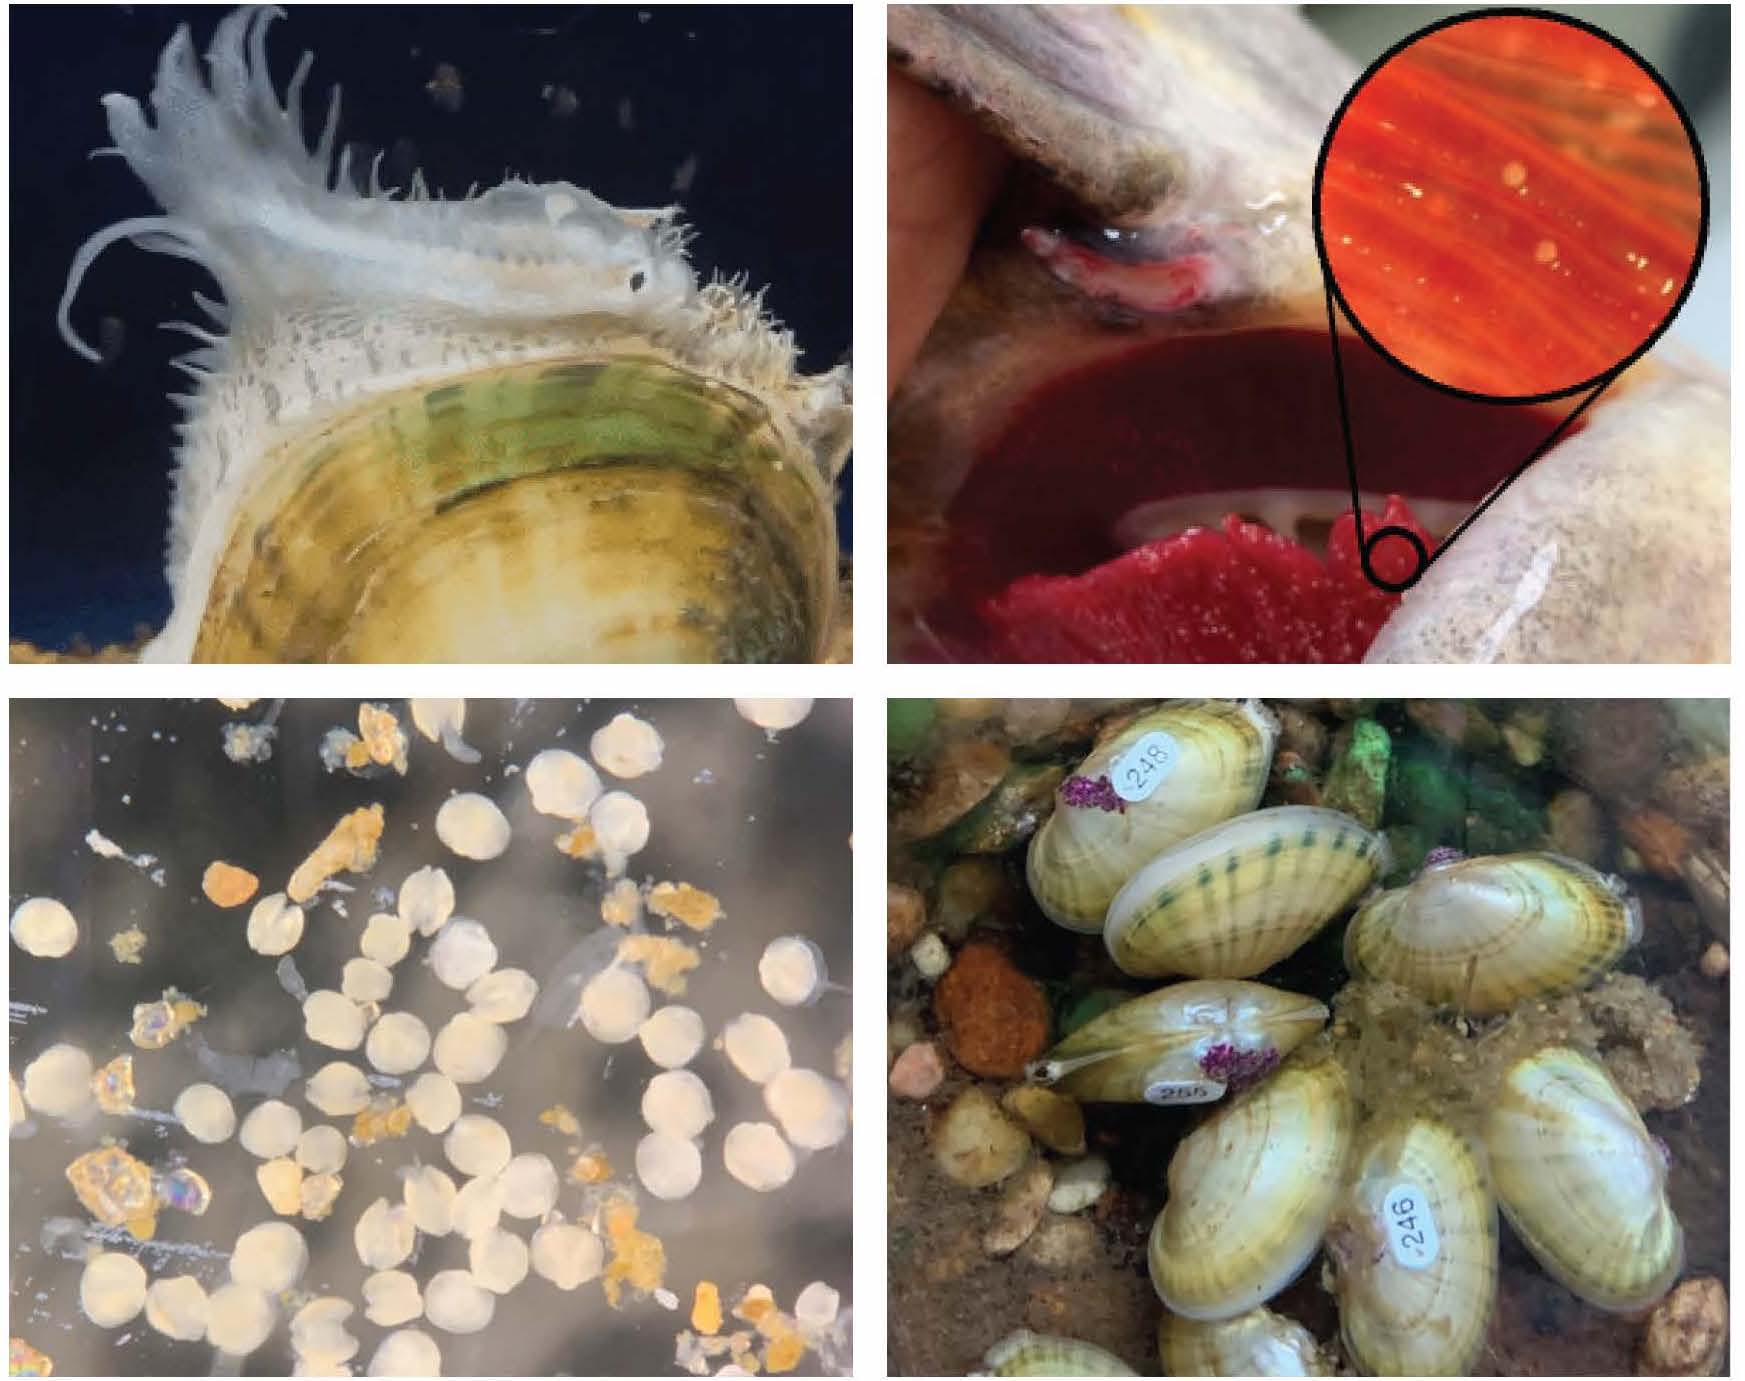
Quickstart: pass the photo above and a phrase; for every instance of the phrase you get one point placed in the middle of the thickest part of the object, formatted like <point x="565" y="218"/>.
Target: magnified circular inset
<point x="1511" y="205"/>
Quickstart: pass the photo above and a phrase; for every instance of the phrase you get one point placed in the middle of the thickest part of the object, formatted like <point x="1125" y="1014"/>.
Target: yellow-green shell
<point x="1083" y="854"/>
<point x="1023" y="1353"/>
<point x="1483" y="934"/>
<point x="1250" y="1192"/>
<point x="1258" y="1343"/>
<point x="1152" y="1049"/>
<point x="1582" y="1183"/>
<point x="1414" y="1249"/>
<point x="621" y="509"/>
<point x="1237" y="898"/>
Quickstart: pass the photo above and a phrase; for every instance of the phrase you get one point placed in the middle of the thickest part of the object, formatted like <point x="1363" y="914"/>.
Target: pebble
<point x="1062" y="1244"/>
<point x="566" y="1255"/>
<point x="1714" y="962"/>
<point x="995" y="1018"/>
<point x="472" y="826"/>
<point x="1020" y="1210"/>
<point x="970" y="890"/>
<point x="917" y="1072"/>
<point x="1687" y="1332"/>
<point x="561" y="784"/>
<point x="930" y="956"/>
<point x="43" y="927"/>
<point x="627" y="747"/>
<point x="975" y="1143"/>
<point x="408" y="1352"/>
<point x="756" y="1047"/>
<point x="226" y="885"/>
<point x="905" y="916"/>
<point x="816" y="1306"/>
<point x="757" y="1157"/>
<point x="205" y="1112"/>
<point x="271" y="1130"/>
<point x="112" y="1289"/>
<point x="1575" y="826"/>
<point x="1078" y="1184"/>
<point x="1052" y="1118"/>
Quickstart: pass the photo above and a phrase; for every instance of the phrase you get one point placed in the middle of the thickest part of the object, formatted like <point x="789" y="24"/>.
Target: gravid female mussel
<point x="1138" y="346"/>
<point x="513" y="427"/>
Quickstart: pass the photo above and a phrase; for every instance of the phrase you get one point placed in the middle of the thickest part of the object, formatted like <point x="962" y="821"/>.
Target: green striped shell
<point x="1483" y="934"/>
<point x="1250" y="1192"/>
<point x="1182" y="1044"/>
<point x="1582" y="1182"/>
<point x="1414" y="1250"/>
<point x="1218" y="752"/>
<point x="1023" y="1353"/>
<point x="1236" y="899"/>
<point x="615" y="509"/>
<point x="1258" y="1343"/>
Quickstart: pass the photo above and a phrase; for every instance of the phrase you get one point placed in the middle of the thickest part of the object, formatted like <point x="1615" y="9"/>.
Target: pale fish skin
<point x="331" y="296"/>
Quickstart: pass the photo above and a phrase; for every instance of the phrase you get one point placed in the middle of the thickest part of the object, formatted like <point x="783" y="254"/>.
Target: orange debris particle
<point x="591" y="1167"/>
<point x="622" y="904"/>
<point x="706" y="1311"/>
<point x="562" y="1119"/>
<point x="581" y="842"/>
<point x="349" y="847"/>
<point x="386" y="1119"/>
<point x="116" y="1190"/>
<point x="683" y="902"/>
<point x="383" y="743"/>
<point x="638" y="1258"/>
<point x="227" y="885"/>
<point x="784" y="1352"/>
<point x="665" y="962"/>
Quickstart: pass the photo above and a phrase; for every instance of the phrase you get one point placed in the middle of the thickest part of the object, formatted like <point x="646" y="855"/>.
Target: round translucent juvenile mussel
<point x="1186" y="1043"/>
<point x="1167" y="774"/>
<point x="619" y="509"/>
<point x="1258" y="1343"/>
<point x="1235" y="899"/>
<point x="1582" y="1182"/>
<point x="1483" y="934"/>
<point x="1250" y="1192"/>
<point x="1023" y="1353"/>
<point x="1413" y="1244"/>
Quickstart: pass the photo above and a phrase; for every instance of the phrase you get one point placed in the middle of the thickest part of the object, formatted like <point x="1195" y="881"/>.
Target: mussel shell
<point x="1582" y="1183"/>
<point x="618" y="509"/>
<point x="1023" y="1353"/>
<point x="1484" y="934"/>
<point x="1082" y="855"/>
<point x="1258" y="1343"/>
<point x="1237" y="898"/>
<point x="1174" y="1045"/>
<point x="1414" y="1248"/>
<point x="1250" y="1192"/>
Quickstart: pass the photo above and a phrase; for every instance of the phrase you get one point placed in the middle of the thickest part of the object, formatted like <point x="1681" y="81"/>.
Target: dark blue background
<point x="761" y="96"/>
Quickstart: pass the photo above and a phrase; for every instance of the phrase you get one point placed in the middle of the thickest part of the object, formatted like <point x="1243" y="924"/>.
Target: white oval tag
<point x="1166" y="1091"/>
<point x="1411" y="1226"/>
<point x="1141" y="769"/>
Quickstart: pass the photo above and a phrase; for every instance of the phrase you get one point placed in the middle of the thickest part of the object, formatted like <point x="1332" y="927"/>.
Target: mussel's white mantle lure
<point x="331" y="295"/>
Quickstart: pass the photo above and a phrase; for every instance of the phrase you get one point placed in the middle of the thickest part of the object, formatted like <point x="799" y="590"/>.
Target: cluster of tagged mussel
<point x="1157" y="842"/>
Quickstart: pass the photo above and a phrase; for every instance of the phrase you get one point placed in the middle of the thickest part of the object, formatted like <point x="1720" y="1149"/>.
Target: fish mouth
<point x="1152" y="452"/>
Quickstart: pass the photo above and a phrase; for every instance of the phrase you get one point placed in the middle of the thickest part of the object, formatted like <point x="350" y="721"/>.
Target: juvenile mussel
<point x="1582" y="1182"/>
<point x="1187" y="1043"/>
<point x="1155" y="781"/>
<point x="1235" y="899"/>
<point x="1483" y="934"/>
<point x="1258" y="1343"/>
<point x="1023" y="1353"/>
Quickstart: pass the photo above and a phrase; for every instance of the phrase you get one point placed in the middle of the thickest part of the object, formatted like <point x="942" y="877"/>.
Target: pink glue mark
<point x="1169" y="285"/>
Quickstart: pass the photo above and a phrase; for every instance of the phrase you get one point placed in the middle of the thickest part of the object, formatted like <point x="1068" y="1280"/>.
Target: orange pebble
<point x="227" y="885"/>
